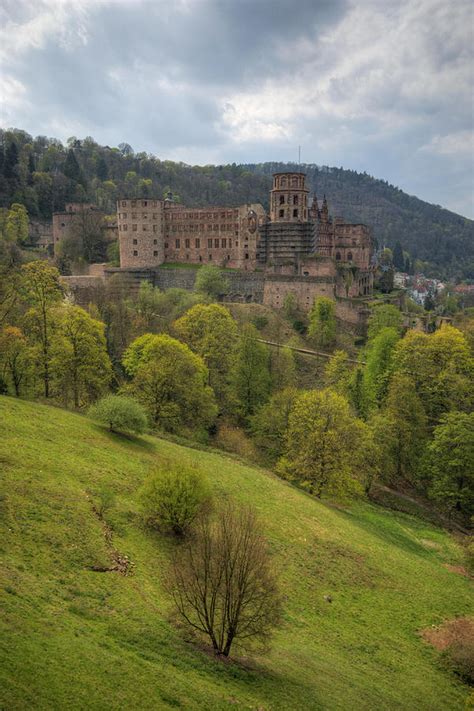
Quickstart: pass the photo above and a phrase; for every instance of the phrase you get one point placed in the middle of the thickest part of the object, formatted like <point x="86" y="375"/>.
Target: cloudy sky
<point x="374" y="85"/>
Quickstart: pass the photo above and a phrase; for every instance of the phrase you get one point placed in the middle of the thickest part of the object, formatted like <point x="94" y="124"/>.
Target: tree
<point x="80" y="364"/>
<point x="120" y="413"/>
<point x="384" y="316"/>
<point x="251" y="377"/>
<point x="174" y="497"/>
<point x="441" y="367"/>
<point x="450" y="462"/>
<point x="42" y="290"/>
<point x="400" y="430"/>
<point x="337" y="373"/>
<point x="282" y="367"/>
<point x="85" y="238"/>
<point x="171" y="382"/>
<point x="321" y="444"/>
<point x="398" y="258"/>
<point x="222" y="581"/>
<point x="211" y="332"/>
<point x="322" y="322"/>
<point x="71" y="167"/>
<point x="211" y="281"/>
<point x="379" y="357"/>
<point x="16" y="229"/>
<point x="14" y="357"/>
<point x="270" y="423"/>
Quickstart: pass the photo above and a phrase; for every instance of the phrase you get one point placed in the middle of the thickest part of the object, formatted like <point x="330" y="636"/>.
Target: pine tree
<point x="71" y="167"/>
<point x="398" y="259"/>
<point x="11" y="161"/>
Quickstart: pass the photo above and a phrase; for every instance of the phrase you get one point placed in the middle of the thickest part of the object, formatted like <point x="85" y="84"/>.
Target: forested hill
<point x="43" y="174"/>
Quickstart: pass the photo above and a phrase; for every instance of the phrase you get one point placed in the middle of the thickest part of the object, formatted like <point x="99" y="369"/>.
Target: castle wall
<point x="141" y="232"/>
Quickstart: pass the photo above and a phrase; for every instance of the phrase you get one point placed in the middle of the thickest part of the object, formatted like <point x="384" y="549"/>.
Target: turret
<point x="289" y="198"/>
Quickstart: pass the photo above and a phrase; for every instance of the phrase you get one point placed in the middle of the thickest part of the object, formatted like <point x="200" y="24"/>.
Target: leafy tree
<point x="379" y="358"/>
<point x="71" y="167"/>
<point x="290" y="305"/>
<point x="211" y="332"/>
<point x="251" y="376"/>
<point x="16" y="229"/>
<point x="441" y="368"/>
<point x="42" y="290"/>
<point x="85" y="239"/>
<point x="450" y="462"/>
<point x="80" y="364"/>
<point x="321" y="444"/>
<point x="174" y="497"/>
<point x="398" y="258"/>
<point x="15" y="360"/>
<point x="400" y="430"/>
<point x="337" y="373"/>
<point x="211" y="281"/>
<point x="322" y="322"/>
<point x="270" y="423"/>
<point x="11" y="161"/>
<point x="222" y="581"/>
<point x="171" y="382"/>
<point x="282" y="368"/>
<point x="384" y="316"/>
<point x="120" y="413"/>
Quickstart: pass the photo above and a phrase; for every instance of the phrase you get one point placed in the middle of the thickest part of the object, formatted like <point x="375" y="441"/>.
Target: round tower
<point x="289" y="198"/>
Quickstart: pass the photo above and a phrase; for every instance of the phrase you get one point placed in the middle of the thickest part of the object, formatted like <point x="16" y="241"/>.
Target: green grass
<point x="71" y="638"/>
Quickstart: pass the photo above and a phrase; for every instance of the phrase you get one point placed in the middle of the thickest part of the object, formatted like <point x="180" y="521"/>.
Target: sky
<point x="374" y="85"/>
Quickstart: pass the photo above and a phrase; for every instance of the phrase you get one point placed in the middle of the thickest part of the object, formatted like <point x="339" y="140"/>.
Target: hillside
<point x="43" y="174"/>
<point x="75" y="638"/>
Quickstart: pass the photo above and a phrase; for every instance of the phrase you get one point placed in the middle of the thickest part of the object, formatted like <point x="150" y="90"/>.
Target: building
<point x="296" y="248"/>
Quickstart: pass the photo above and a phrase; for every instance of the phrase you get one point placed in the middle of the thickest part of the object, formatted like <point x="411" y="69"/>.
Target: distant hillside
<point x="75" y="638"/>
<point x="44" y="175"/>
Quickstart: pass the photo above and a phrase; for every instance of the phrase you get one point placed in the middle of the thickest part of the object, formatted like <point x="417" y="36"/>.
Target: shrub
<point x="459" y="657"/>
<point x="173" y="497"/>
<point x="120" y="413"/>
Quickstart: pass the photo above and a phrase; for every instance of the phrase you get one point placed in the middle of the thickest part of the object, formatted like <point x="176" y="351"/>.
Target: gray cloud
<point x="368" y="85"/>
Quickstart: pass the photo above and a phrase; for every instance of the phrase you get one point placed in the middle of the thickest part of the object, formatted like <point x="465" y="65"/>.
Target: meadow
<point x="73" y="637"/>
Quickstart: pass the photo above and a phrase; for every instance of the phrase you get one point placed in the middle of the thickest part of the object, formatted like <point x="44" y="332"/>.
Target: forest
<point x="43" y="174"/>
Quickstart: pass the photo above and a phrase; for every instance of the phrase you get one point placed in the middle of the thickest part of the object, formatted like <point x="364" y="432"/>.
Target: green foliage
<point x="15" y="359"/>
<point x="251" y="379"/>
<point x="441" y="367"/>
<point x="384" y="316"/>
<point x="322" y="322"/>
<point x="379" y="358"/>
<point x="211" y="281"/>
<point x="337" y="373"/>
<point x="270" y="423"/>
<point x="321" y="444"/>
<point x="16" y="228"/>
<point x="80" y="366"/>
<point x="400" y="431"/>
<point x="450" y="462"/>
<point x="398" y="258"/>
<point x="120" y="414"/>
<point x="174" y="497"/>
<point x="282" y="368"/>
<point x="211" y="332"/>
<point x="171" y="382"/>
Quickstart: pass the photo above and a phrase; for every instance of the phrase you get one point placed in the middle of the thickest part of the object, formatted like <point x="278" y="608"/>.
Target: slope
<point x="72" y="637"/>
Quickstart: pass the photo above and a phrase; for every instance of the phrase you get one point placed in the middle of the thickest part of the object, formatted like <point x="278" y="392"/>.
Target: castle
<point x="297" y="248"/>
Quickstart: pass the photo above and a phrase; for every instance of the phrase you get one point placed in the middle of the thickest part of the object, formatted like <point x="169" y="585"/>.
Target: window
<point x="166" y="245"/>
<point x="177" y="243"/>
<point x="155" y="228"/>
<point x="135" y="241"/>
<point x="209" y="243"/>
<point x="282" y="199"/>
<point x="63" y="224"/>
<point x="155" y="241"/>
<point x="197" y="243"/>
<point x="200" y="258"/>
<point x="246" y="255"/>
<point x="135" y="253"/>
<point x="124" y="215"/>
<point x="210" y="257"/>
<point x="282" y="213"/>
<point x="134" y="203"/>
<point x="124" y="228"/>
<point x="349" y="256"/>
<point x="216" y="243"/>
<point x="338" y="256"/>
<point x="223" y="243"/>
<point x="124" y="203"/>
<point x="187" y="243"/>
<point x="295" y="199"/>
<point x="155" y="253"/>
<point x="295" y="213"/>
<point x="144" y="203"/>
<point x="134" y="228"/>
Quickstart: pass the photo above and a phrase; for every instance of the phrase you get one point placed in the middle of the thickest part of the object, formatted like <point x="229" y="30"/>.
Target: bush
<point x="120" y="413"/>
<point x="173" y="498"/>
<point x="459" y="657"/>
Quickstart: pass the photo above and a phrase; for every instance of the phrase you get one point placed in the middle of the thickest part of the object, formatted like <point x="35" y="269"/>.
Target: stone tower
<point x="289" y="198"/>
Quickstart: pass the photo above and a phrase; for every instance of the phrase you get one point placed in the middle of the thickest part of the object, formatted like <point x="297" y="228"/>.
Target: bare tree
<point x="222" y="581"/>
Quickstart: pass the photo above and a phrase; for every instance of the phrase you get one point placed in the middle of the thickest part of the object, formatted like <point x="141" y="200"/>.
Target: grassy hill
<point x="71" y="637"/>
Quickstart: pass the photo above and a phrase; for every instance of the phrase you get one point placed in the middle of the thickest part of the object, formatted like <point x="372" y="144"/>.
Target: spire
<point x="324" y="209"/>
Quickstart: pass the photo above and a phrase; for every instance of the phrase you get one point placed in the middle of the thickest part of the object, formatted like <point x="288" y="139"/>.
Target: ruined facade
<point x="298" y="247"/>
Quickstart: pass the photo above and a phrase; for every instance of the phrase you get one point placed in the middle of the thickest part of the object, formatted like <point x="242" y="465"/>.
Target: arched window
<point x="338" y="256"/>
<point x="349" y="256"/>
<point x="283" y="182"/>
<point x="282" y="199"/>
<point x="295" y="199"/>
